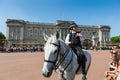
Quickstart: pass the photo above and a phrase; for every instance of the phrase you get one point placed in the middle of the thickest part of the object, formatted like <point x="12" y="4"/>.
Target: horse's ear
<point x="57" y="35"/>
<point x="45" y="36"/>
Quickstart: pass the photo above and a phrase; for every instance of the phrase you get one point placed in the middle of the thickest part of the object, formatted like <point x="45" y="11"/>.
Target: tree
<point x="87" y="43"/>
<point x="2" y="39"/>
<point x="2" y="36"/>
<point x="115" y="39"/>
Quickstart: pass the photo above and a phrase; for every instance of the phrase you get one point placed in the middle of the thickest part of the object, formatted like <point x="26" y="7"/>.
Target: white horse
<point x="61" y="58"/>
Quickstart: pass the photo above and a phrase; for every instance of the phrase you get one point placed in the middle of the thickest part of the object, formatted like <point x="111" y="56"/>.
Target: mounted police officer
<point x="73" y="40"/>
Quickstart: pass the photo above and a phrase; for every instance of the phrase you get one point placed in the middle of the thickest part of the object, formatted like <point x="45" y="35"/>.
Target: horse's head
<point x="51" y="49"/>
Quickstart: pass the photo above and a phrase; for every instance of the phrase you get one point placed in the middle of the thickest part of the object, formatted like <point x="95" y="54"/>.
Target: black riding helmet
<point x="71" y="27"/>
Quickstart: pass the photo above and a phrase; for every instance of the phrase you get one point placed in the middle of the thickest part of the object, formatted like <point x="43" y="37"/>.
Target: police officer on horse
<point x="73" y="40"/>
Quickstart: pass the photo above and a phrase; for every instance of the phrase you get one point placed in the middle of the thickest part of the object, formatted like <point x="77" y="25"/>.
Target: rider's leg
<point x="82" y="59"/>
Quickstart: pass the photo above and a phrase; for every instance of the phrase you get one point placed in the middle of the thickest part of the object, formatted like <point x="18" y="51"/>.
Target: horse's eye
<point x="55" y="51"/>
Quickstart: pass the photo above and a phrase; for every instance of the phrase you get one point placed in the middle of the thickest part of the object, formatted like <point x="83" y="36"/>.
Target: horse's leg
<point x="68" y="78"/>
<point x="84" y="77"/>
<point x="70" y="75"/>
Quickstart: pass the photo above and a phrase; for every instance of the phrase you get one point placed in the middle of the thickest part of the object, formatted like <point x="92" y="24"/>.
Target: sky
<point x="83" y="12"/>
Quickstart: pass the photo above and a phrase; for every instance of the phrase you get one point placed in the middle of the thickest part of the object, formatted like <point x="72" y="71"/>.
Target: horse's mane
<point x="53" y="39"/>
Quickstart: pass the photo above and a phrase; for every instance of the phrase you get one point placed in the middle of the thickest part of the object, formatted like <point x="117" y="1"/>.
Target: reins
<point x="62" y="59"/>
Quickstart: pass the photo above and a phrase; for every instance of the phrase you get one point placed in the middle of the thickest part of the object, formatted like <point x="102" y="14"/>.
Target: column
<point x="22" y="33"/>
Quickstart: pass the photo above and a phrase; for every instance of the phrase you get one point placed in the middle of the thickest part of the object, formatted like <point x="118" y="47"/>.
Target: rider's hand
<point x="78" y="34"/>
<point x="69" y="42"/>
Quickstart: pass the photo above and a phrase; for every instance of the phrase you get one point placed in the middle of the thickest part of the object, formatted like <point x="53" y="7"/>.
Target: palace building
<point x="20" y="32"/>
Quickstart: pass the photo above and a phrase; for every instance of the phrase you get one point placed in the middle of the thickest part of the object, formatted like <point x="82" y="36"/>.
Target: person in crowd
<point x="113" y="64"/>
<point x="114" y="51"/>
<point x="114" y="72"/>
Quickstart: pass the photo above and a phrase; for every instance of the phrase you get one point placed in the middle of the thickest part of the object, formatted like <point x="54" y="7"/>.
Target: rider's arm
<point x="80" y="36"/>
<point x="67" y="39"/>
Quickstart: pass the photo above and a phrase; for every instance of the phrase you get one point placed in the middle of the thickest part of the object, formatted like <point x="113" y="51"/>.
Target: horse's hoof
<point x="84" y="78"/>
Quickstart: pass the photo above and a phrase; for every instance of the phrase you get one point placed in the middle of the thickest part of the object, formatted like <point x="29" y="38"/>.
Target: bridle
<point x="55" y="62"/>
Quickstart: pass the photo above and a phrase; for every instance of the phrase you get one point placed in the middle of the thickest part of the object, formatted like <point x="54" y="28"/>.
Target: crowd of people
<point x="21" y="49"/>
<point x="114" y="65"/>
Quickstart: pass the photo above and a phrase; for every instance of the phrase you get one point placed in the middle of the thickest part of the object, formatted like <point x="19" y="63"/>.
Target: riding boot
<point x="79" y="62"/>
<point x="83" y="60"/>
<point x="83" y="67"/>
<point x="82" y="63"/>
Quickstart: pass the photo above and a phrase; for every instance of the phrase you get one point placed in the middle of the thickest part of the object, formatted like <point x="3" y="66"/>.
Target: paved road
<point x="28" y="66"/>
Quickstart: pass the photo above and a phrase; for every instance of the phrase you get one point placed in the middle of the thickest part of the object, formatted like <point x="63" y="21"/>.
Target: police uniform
<point x="76" y="47"/>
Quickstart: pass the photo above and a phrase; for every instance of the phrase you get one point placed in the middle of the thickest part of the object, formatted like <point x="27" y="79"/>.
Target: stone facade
<point x="20" y="32"/>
